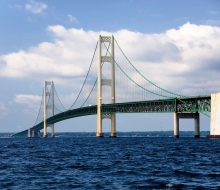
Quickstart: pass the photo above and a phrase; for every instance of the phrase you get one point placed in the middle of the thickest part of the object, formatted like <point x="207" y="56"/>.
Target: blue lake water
<point x="106" y="163"/>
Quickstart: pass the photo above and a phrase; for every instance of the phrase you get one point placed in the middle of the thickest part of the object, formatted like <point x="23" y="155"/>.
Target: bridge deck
<point x="189" y="104"/>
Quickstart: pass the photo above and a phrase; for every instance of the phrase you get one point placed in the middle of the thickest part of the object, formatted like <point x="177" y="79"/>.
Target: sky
<point x="173" y="43"/>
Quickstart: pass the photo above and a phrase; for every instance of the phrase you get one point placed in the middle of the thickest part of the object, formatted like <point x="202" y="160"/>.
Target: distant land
<point x="123" y="134"/>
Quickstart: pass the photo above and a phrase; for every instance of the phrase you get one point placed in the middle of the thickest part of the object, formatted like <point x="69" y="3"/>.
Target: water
<point x="121" y="163"/>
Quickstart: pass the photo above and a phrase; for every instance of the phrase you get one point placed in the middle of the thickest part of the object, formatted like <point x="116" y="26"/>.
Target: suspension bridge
<point x="120" y="88"/>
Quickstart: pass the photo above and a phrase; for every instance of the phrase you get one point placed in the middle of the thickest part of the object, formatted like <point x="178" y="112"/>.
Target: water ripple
<point x="122" y="163"/>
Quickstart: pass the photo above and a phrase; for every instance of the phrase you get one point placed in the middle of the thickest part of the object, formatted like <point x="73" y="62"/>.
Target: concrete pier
<point x="33" y="133"/>
<point x="113" y="126"/>
<point x="197" y="125"/>
<point x="99" y="135"/>
<point x="176" y="125"/>
<point x="196" y="118"/>
<point x="52" y="131"/>
<point x="113" y="135"/>
<point x="215" y="116"/>
<point x="29" y="132"/>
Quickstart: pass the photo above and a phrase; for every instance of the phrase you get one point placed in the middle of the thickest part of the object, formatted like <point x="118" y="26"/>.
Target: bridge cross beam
<point x="48" y="107"/>
<point x="102" y="82"/>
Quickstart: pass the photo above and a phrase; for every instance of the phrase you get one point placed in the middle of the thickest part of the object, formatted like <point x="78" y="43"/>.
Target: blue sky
<point x="22" y="28"/>
<point x="31" y="33"/>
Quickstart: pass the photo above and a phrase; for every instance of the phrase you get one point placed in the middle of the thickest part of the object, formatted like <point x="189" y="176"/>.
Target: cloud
<point x="38" y="61"/>
<point x="32" y="101"/>
<point x="72" y="18"/>
<point x="35" y="7"/>
<point x="69" y="56"/>
<point x="181" y="60"/>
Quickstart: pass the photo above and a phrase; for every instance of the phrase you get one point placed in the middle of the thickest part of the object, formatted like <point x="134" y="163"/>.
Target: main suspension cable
<point x="200" y="111"/>
<point x="95" y="80"/>
<point x="39" y="108"/>
<point x="59" y="99"/>
<point x="144" y="76"/>
<point x="85" y="78"/>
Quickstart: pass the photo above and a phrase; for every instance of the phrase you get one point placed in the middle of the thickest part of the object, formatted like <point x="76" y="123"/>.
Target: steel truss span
<point x="192" y="104"/>
<point x="183" y="105"/>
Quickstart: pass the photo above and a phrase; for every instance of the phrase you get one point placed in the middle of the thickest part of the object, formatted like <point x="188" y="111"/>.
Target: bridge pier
<point x="195" y="116"/>
<point x="113" y="128"/>
<point x="197" y="125"/>
<point x="33" y="133"/>
<point x="29" y="132"/>
<point x="215" y="116"/>
<point x="52" y="131"/>
<point x="176" y="125"/>
<point x="99" y="135"/>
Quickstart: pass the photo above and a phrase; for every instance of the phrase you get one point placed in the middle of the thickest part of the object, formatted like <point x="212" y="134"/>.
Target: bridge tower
<point x="48" y="107"/>
<point x="102" y="82"/>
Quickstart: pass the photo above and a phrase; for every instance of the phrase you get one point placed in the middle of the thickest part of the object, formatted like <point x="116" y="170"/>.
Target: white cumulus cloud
<point x="182" y="60"/>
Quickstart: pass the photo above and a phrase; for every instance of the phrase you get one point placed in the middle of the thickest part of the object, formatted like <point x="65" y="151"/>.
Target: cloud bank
<point x="184" y="59"/>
